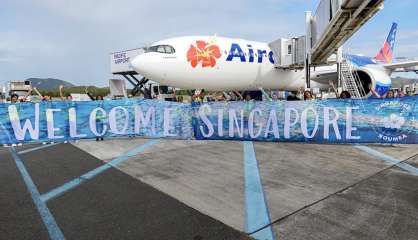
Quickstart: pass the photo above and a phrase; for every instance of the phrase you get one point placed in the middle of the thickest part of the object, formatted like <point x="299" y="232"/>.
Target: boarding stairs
<point x="350" y="80"/>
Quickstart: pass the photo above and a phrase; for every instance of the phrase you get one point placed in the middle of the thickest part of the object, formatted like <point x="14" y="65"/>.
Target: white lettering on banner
<point x="251" y="123"/>
<point x="272" y="122"/>
<point x="260" y="122"/>
<point x="333" y="121"/>
<point x="308" y="119"/>
<point x="93" y="118"/>
<point x="220" y="122"/>
<point x="27" y="126"/>
<point x="304" y="124"/>
<point x="287" y="123"/>
<point x="233" y="120"/>
<point x="72" y="117"/>
<point x="167" y="123"/>
<point x="50" y="123"/>
<point x="146" y="120"/>
<point x="206" y="109"/>
<point x="349" y="124"/>
<point x="113" y="120"/>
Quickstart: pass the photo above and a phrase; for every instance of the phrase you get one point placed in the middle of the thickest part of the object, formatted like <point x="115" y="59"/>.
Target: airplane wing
<point x="403" y="66"/>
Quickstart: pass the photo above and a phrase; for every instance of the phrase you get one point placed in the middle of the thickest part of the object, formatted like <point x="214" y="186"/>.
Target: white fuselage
<point x="216" y="63"/>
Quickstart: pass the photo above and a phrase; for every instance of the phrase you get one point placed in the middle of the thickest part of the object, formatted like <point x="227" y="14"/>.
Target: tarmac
<point x="137" y="188"/>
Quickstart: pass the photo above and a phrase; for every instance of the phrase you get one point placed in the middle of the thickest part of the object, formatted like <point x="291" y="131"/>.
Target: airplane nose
<point x="138" y="64"/>
<point x="148" y="66"/>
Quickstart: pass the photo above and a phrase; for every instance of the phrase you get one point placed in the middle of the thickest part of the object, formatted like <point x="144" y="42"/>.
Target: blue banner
<point x="60" y="121"/>
<point x="326" y="121"/>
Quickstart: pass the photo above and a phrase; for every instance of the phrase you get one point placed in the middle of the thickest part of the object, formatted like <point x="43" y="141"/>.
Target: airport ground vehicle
<point x="19" y="87"/>
<point x="162" y="92"/>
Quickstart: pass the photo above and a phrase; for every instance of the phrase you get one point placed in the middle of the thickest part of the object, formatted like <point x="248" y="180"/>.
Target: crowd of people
<point x="301" y="95"/>
<point x="203" y="96"/>
<point x="33" y="95"/>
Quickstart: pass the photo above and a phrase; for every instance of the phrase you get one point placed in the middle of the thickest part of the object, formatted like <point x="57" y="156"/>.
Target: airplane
<point x="219" y="63"/>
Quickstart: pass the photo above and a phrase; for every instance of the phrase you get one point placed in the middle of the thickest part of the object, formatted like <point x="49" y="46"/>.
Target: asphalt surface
<point x="112" y="205"/>
<point x="199" y="190"/>
<point x="382" y="207"/>
<point x="19" y="217"/>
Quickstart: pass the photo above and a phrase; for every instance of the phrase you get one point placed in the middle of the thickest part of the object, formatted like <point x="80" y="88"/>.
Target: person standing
<point x="307" y="95"/>
<point x="14" y="98"/>
<point x="64" y="98"/>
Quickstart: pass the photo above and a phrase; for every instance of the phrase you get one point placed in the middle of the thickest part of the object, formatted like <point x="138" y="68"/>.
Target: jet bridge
<point x="335" y="21"/>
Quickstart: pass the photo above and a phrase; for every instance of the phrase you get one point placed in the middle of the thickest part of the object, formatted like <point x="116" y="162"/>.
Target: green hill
<point x="49" y="84"/>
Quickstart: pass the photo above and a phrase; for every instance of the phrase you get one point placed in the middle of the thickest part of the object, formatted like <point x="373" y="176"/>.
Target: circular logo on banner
<point x="393" y="123"/>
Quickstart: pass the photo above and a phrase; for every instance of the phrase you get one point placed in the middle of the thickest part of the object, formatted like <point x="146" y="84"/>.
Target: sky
<point x="71" y="40"/>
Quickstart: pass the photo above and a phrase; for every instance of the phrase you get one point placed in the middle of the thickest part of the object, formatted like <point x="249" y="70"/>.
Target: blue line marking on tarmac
<point x="409" y="168"/>
<point x="256" y="209"/>
<point x="53" y="230"/>
<point x="93" y="173"/>
<point x="37" y="148"/>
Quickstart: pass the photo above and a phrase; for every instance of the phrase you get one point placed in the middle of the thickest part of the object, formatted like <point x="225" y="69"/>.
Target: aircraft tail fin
<point x="385" y="54"/>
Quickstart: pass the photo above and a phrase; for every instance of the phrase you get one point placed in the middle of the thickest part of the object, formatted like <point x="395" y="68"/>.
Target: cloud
<point x="72" y="39"/>
<point x="409" y="35"/>
<point x="167" y="18"/>
<point x="7" y="57"/>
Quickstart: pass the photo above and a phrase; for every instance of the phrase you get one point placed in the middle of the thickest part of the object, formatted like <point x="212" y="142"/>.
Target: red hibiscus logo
<point x="203" y="52"/>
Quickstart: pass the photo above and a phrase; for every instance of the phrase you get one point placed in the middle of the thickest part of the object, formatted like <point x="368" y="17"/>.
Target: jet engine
<point x="370" y="78"/>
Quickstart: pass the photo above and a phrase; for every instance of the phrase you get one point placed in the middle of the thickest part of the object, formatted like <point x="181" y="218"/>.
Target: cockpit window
<point x="167" y="49"/>
<point x="161" y="49"/>
<point x="152" y="49"/>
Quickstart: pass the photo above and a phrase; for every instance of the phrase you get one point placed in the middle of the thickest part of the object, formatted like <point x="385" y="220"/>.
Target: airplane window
<point x="152" y="49"/>
<point x="162" y="49"/>
<point x="169" y="49"/>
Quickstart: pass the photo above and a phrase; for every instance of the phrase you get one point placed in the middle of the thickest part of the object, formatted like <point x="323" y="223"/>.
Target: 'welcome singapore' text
<point x="272" y="124"/>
